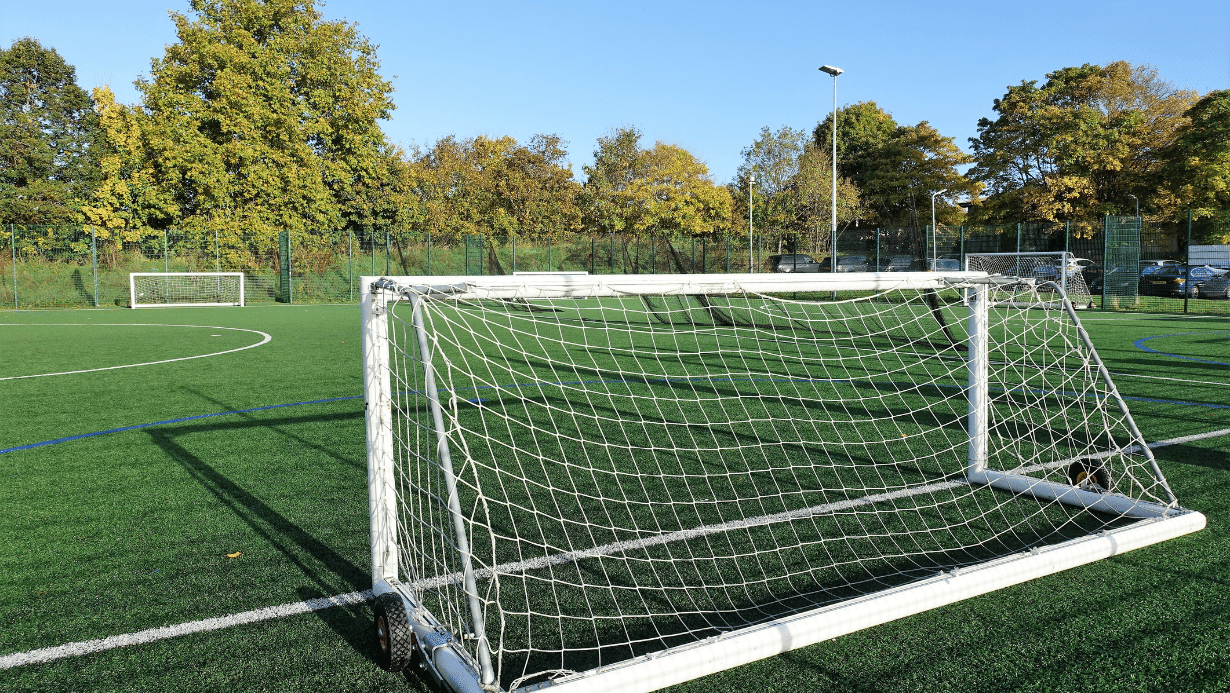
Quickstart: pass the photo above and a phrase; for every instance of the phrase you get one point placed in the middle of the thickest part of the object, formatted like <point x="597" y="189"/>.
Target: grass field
<point x="256" y="448"/>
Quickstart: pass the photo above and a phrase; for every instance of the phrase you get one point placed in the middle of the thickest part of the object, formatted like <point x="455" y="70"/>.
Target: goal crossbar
<point x="476" y="385"/>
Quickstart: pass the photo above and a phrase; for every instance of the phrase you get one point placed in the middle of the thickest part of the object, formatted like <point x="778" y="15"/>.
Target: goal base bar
<point x="759" y="642"/>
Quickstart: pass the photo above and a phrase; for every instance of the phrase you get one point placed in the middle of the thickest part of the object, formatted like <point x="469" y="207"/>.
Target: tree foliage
<point x="48" y="136"/>
<point x="897" y="167"/>
<point x="664" y="189"/>
<point x="1197" y="166"/>
<point x="263" y="117"/>
<point x="1079" y="145"/>
<point x="495" y="187"/>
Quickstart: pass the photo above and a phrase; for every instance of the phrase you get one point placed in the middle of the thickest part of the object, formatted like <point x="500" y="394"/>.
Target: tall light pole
<point x="934" y="244"/>
<point x="1137" y="206"/>
<point x="834" y="71"/>
<point x="751" y="183"/>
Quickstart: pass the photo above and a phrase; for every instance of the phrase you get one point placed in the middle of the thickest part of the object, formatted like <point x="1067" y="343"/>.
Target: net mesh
<point x="187" y="288"/>
<point x="641" y="472"/>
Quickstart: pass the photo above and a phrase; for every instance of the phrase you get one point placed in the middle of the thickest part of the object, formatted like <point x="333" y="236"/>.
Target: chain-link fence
<point x="71" y="266"/>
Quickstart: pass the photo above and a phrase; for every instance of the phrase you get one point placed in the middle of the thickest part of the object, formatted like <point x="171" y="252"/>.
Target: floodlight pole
<point x="834" y="71"/>
<point x="934" y="253"/>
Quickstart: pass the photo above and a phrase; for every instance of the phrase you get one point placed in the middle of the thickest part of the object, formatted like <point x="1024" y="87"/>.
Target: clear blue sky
<point x="702" y="75"/>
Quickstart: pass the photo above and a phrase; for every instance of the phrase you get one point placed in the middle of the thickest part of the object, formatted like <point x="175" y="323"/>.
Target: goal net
<point x="169" y="289"/>
<point x="624" y="482"/>
<point x="1057" y="270"/>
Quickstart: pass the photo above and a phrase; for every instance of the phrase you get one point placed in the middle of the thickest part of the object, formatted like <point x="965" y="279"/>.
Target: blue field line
<point x="1140" y="344"/>
<point x="174" y="421"/>
<point x="603" y="381"/>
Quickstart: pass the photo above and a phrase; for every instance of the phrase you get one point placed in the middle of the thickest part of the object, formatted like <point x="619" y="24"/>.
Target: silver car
<point x="1218" y="286"/>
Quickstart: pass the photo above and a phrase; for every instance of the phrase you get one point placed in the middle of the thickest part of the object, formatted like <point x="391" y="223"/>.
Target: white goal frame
<point x="136" y="300"/>
<point x="446" y="657"/>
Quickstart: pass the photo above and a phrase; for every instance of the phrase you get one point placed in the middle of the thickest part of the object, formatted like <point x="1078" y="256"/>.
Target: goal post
<point x="180" y="289"/>
<point x="623" y="482"/>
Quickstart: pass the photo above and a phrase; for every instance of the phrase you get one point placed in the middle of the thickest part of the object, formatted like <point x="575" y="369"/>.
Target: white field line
<point x="266" y="340"/>
<point x="48" y="654"/>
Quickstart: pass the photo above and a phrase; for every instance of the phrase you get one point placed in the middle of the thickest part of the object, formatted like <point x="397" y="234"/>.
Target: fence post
<point x="13" y="242"/>
<point x="514" y="254"/>
<point x="166" y="255"/>
<point x="1105" y="253"/>
<point x="94" y="257"/>
<point x="350" y="255"/>
<point x="962" y="251"/>
<point x="429" y="253"/>
<point x="388" y="250"/>
<point x="612" y="252"/>
<point x="550" y="265"/>
<point x="217" y="253"/>
<point x="1187" y="261"/>
<point x="726" y="241"/>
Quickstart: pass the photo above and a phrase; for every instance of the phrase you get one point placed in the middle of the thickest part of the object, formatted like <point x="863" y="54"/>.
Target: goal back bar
<point x="622" y="483"/>
<point x="181" y="289"/>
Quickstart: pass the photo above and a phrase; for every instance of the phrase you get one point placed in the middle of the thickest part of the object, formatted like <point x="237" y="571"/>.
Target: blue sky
<point x="702" y="75"/>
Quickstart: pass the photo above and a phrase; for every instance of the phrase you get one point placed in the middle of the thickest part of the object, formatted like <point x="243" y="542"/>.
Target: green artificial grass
<point x="130" y="530"/>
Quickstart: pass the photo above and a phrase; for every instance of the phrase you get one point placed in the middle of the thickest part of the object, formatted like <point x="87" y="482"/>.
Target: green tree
<point x="1079" y="145"/>
<point x="48" y="136"/>
<point x="1197" y="167"/>
<point x="262" y="118"/>
<point x="774" y="159"/>
<point x="897" y="167"/>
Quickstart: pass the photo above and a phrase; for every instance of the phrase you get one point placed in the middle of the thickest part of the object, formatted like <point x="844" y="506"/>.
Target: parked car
<point x="1150" y="266"/>
<point x="1217" y="287"/>
<point x="1087" y="269"/>
<point x="797" y="262"/>
<point x="1176" y="281"/>
<point x="900" y="263"/>
<point x="847" y="263"/>
<point x="944" y="264"/>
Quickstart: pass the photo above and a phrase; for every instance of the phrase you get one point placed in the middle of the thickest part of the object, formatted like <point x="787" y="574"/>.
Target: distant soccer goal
<point x="1058" y="269"/>
<point x="170" y="289"/>
<point x="624" y="482"/>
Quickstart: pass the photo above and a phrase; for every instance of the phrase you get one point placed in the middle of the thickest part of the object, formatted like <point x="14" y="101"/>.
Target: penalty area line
<point x="50" y="654"/>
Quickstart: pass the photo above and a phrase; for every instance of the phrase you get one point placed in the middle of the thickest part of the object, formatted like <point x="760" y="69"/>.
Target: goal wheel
<point x="394" y="637"/>
<point x="1085" y="473"/>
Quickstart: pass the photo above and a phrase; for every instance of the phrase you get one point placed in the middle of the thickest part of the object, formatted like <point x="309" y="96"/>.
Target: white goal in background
<point x="624" y="482"/>
<point x="171" y="289"/>
<point x="1046" y="268"/>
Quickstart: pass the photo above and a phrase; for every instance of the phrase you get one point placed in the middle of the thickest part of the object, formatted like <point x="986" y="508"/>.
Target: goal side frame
<point x="132" y="289"/>
<point x="443" y="657"/>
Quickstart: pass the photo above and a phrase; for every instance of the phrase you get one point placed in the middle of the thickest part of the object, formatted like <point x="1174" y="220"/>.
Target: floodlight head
<point x="832" y="70"/>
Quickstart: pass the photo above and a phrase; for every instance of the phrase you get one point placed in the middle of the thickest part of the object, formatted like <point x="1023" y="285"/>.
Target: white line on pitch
<point x="74" y="649"/>
<point x="266" y="339"/>
<point x="49" y="654"/>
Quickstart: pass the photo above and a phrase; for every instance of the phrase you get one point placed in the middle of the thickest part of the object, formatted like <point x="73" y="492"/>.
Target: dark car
<point x="900" y="263"/>
<point x="944" y="264"/>
<point x="1151" y="266"/>
<point x="847" y="263"/>
<point x="792" y="263"/>
<point x="1176" y="281"/>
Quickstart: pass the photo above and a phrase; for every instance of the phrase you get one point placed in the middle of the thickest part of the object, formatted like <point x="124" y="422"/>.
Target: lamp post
<point x="751" y="183"/>
<point x="834" y="71"/>
<point x="1137" y="207"/>
<point x="934" y="244"/>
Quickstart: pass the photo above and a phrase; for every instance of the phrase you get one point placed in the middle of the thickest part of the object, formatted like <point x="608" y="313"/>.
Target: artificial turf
<point x="130" y="530"/>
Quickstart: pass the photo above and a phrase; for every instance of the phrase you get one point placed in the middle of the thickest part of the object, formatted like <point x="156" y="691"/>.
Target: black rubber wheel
<point x="1193" y="292"/>
<point x="394" y="637"/>
<point x="1086" y="473"/>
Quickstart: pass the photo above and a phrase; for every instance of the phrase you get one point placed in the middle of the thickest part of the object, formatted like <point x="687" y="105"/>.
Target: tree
<point x="1197" y="167"/>
<point x="638" y="191"/>
<point x="896" y="167"/>
<point x="48" y="136"/>
<point x="1077" y="146"/>
<point x="774" y="159"/>
<point x="262" y="118"/>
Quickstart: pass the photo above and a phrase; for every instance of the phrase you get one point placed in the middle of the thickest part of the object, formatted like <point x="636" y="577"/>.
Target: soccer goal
<point x="171" y="289"/>
<point x="594" y="483"/>
<point x="1050" y="269"/>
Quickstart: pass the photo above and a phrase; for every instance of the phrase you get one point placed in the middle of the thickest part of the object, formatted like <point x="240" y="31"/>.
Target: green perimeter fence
<point x="72" y="267"/>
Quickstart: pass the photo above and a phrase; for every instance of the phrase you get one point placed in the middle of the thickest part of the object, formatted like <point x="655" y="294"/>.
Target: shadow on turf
<point x="287" y="537"/>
